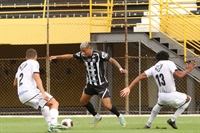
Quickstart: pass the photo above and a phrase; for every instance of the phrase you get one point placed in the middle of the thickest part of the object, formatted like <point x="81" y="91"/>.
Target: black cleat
<point x="146" y="127"/>
<point x="172" y="124"/>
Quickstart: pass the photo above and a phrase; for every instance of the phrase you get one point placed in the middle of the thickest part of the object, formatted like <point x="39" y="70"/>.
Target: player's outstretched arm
<point x="64" y="56"/>
<point x="188" y="68"/>
<point x="126" y="91"/>
<point x="113" y="61"/>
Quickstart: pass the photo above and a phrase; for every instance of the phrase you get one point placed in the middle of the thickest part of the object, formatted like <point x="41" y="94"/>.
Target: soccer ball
<point x="67" y="122"/>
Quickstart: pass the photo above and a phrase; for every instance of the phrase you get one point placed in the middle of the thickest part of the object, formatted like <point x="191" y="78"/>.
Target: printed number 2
<point x="20" y="80"/>
<point x="161" y="80"/>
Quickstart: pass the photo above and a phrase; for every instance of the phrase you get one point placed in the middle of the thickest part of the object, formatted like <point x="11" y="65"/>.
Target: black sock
<point x="114" y="111"/>
<point x="91" y="109"/>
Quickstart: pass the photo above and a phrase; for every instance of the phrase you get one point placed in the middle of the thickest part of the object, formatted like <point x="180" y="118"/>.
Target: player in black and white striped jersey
<point x="96" y="81"/>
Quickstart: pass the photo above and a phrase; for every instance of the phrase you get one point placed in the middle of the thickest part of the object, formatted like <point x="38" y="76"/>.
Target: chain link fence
<point x="68" y="78"/>
<point x="69" y="24"/>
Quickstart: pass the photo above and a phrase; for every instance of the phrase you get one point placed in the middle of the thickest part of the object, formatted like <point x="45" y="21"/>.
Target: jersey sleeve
<point x="104" y="56"/>
<point x="149" y="72"/>
<point x="35" y="67"/>
<point x="17" y="74"/>
<point x="172" y="67"/>
<point x="77" y="55"/>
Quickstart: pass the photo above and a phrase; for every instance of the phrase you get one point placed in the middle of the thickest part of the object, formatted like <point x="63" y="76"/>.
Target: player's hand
<point x="46" y="97"/>
<point x="190" y="65"/>
<point x="125" y="92"/>
<point x="52" y="58"/>
<point x="123" y="70"/>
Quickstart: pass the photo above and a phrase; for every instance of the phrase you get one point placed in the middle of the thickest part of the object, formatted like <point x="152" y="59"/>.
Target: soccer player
<point x="96" y="81"/>
<point x="32" y="93"/>
<point x="164" y="72"/>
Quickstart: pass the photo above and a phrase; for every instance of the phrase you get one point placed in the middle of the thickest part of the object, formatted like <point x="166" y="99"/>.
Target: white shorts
<point x="174" y="99"/>
<point x="38" y="101"/>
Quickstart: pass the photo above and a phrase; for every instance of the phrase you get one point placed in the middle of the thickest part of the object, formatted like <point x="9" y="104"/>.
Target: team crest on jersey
<point x="78" y="54"/>
<point x="94" y="60"/>
<point x="89" y="59"/>
<point x="104" y="55"/>
<point x="158" y="67"/>
<point x="23" y="66"/>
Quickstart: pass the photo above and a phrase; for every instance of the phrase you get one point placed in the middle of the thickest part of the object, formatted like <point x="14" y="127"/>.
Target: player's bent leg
<point x="55" y="125"/>
<point x="46" y="114"/>
<point x="107" y="104"/>
<point x="178" y="112"/>
<point x="154" y="113"/>
<point x="52" y="103"/>
<point x="85" y="98"/>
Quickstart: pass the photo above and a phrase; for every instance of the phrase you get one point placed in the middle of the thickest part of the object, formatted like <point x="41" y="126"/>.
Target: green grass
<point x="186" y="124"/>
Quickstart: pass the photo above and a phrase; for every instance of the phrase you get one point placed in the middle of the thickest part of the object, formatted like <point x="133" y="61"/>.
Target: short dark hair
<point x="31" y="53"/>
<point x="162" y="55"/>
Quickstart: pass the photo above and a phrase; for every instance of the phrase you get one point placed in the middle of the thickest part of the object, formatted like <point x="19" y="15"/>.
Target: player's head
<point x="86" y="49"/>
<point x="31" y="54"/>
<point x="162" y="55"/>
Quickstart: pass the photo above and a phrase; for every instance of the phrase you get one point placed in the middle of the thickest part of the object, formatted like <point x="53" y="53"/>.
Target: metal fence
<point x="65" y="79"/>
<point x="68" y="78"/>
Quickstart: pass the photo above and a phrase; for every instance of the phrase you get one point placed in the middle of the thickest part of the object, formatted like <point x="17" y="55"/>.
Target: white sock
<point x="97" y="115"/>
<point x="46" y="114"/>
<point x="154" y="113"/>
<point x="54" y="115"/>
<point x="180" y="110"/>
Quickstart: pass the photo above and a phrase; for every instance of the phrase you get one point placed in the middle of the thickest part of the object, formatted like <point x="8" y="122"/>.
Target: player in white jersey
<point x="32" y="93"/>
<point x="163" y="72"/>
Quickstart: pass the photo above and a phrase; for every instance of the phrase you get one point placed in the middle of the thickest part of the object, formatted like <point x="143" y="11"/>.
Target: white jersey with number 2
<point x="162" y="72"/>
<point x="27" y="87"/>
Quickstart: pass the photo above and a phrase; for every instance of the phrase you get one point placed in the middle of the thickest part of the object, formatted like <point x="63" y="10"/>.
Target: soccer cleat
<point x="96" y="121"/>
<point x="172" y="124"/>
<point x="58" y="126"/>
<point x="146" y="127"/>
<point x="63" y="127"/>
<point x="49" y="130"/>
<point x="122" y="120"/>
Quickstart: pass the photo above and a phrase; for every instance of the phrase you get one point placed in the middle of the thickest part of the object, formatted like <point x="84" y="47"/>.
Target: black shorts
<point x="100" y="90"/>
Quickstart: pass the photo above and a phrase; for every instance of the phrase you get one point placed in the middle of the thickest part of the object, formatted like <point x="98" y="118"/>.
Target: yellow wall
<point x="62" y="30"/>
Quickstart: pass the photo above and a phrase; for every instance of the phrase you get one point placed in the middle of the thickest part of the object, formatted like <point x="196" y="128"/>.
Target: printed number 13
<point x="161" y="80"/>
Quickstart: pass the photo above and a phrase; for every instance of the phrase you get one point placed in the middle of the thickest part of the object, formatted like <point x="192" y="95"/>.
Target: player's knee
<point x="107" y="106"/>
<point x="83" y="102"/>
<point x="55" y="102"/>
<point x="188" y="99"/>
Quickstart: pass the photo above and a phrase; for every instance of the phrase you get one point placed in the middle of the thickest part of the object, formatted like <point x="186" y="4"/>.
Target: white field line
<point x="71" y="116"/>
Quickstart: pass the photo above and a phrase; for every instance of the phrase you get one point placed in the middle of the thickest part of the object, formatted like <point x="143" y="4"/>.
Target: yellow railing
<point x="183" y="29"/>
<point x="107" y="11"/>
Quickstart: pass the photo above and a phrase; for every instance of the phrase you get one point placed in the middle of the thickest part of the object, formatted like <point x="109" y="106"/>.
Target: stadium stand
<point x="75" y="8"/>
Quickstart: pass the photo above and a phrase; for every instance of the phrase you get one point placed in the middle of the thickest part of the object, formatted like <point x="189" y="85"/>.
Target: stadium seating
<point x="74" y="8"/>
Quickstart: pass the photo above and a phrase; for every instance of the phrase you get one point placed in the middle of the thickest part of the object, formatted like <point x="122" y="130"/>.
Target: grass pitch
<point x="135" y="124"/>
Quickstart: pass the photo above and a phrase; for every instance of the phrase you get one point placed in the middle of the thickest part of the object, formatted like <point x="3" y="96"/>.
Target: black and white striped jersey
<point x="94" y="66"/>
